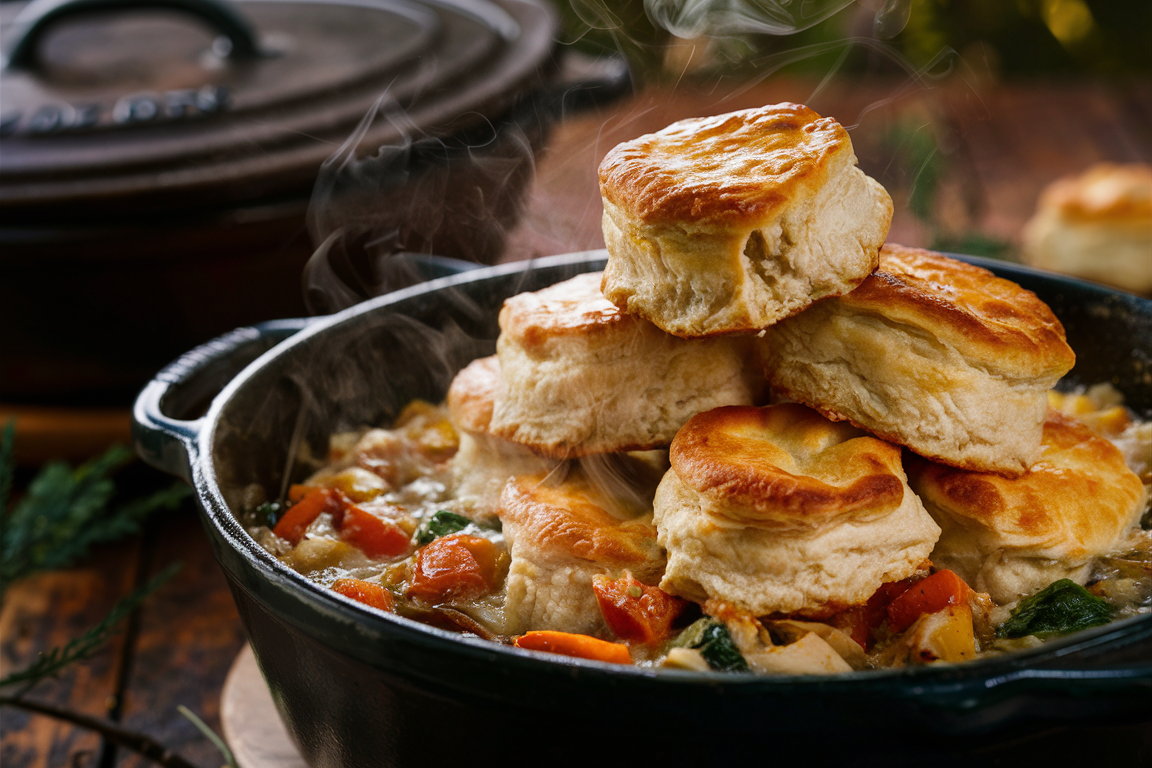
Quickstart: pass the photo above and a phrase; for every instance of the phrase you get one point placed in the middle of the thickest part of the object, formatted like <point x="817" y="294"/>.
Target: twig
<point x="209" y="734"/>
<point x="51" y="662"/>
<point x="137" y="742"/>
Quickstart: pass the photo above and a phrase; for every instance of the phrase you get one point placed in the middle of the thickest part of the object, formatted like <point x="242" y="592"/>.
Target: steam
<point x="378" y="203"/>
<point x="376" y="206"/>
<point x="693" y="19"/>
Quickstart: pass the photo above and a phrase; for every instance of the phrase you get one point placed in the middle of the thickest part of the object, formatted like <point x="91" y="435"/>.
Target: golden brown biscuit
<point x="779" y="510"/>
<point x="560" y="535"/>
<point x="579" y="376"/>
<point x="1012" y="537"/>
<point x="472" y="394"/>
<point x="730" y="223"/>
<point x="931" y="353"/>
<point x="1097" y="225"/>
<point x="484" y="462"/>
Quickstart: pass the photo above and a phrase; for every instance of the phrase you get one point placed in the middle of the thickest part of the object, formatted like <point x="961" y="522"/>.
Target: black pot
<point x="357" y="687"/>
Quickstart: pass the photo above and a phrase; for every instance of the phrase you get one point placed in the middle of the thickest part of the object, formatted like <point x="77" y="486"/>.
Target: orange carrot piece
<point x="456" y="567"/>
<point x="297" y="491"/>
<point x="365" y="592"/>
<point x="372" y="535"/>
<point x="580" y="646"/>
<point x="300" y="515"/>
<point x="636" y="612"/>
<point x="935" y="593"/>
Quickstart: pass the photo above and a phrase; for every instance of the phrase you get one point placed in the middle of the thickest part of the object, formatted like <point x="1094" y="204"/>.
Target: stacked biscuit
<point x="557" y="434"/>
<point x="745" y="249"/>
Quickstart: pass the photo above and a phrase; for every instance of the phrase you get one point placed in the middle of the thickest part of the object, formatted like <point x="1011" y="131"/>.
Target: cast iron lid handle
<point x="222" y="16"/>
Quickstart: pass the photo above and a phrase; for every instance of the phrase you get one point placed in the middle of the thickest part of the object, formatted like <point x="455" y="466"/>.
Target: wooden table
<point x="999" y="146"/>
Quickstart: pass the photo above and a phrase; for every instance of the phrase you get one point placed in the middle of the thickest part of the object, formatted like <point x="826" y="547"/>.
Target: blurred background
<point x="929" y="56"/>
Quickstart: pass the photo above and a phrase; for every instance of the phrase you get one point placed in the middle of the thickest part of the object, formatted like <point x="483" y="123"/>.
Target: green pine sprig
<point x="66" y="512"/>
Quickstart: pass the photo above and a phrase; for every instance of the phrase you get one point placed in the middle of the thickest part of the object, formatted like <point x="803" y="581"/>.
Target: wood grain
<point x="185" y="644"/>
<point x="48" y="610"/>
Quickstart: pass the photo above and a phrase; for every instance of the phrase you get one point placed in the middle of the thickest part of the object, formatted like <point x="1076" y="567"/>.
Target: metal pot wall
<point x="158" y="164"/>
<point x="357" y="687"/>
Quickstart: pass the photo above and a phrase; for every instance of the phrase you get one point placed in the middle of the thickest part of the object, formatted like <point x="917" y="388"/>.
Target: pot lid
<point x="176" y="102"/>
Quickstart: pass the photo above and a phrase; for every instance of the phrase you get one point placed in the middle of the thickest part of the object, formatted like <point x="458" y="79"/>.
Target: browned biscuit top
<point x="1078" y="497"/>
<point x="738" y="167"/>
<point x="993" y="322"/>
<point x="786" y="464"/>
<point x="472" y="395"/>
<point x="571" y="308"/>
<point x="1105" y="193"/>
<point x="566" y="519"/>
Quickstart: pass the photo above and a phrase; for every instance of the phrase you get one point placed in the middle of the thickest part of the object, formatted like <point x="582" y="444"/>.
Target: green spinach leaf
<point x="1062" y="607"/>
<point x="440" y="524"/>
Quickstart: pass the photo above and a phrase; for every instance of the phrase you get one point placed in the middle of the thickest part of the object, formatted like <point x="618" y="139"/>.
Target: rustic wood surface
<point x="999" y="146"/>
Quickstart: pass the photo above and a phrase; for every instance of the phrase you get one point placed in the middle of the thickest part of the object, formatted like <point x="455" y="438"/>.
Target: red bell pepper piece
<point x="935" y="593"/>
<point x="635" y="612"/>
<point x="860" y="622"/>
<point x="300" y="515"/>
<point x="374" y="536"/>
<point x="456" y="567"/>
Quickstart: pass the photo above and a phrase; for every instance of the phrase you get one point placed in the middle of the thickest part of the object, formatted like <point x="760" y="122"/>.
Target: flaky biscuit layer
<point x="580" y="377"/>
<point x="1012" y="537"/>
<point x="730" y="223"/>
<point x="930" y="353"/>
<point x="560" y="535"/>
<point x="787" y="513"/>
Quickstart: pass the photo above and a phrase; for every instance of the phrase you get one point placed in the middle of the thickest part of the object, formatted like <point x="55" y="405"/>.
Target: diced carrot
<point x="456" y="567"/>
<point x="935" y="593"/>
<point x="635" y="612"/>
<point x="372" y="535"/>
<point x="300" y="515"/>
<point x="365" y="592"/>
<point x="580" y="646"/>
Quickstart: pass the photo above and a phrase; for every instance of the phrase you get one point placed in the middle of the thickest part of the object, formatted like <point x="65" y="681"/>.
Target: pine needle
<point x="53" y="661"/>
<point x="209" y="734"/>
<point x="66" y="512"/>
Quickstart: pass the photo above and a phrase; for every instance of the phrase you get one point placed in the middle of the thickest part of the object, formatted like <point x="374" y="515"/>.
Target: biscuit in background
<point x="1097" y="226"/>
<point x="1012" y="537"/>
<point x="931" y="353"/>
<point x="779" y="510"/>
<point x="578" y="376"/>
<point x="730" y="223"/>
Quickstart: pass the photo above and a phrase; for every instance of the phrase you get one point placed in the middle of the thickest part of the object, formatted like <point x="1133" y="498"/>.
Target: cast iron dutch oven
<point x="357" y="687"/>
<point x="159" y="156"/>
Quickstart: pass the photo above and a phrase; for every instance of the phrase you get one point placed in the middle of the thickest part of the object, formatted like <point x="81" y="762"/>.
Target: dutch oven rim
<point x="185" y="448"/>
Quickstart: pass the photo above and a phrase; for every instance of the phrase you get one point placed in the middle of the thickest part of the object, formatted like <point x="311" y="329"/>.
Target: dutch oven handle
<point x="31" y="23"/>
<point x="164" y="429"/>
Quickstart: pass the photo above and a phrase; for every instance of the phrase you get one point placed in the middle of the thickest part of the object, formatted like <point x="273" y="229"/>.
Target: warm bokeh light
<point x="1070" y="21"/>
